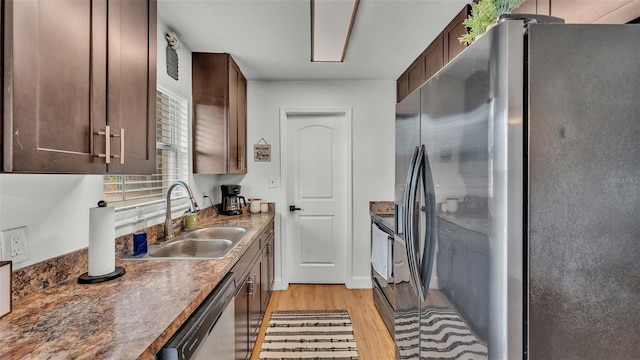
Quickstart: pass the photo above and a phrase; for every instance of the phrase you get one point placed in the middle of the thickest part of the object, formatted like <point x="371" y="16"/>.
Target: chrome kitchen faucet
<point x="193" y="207"/>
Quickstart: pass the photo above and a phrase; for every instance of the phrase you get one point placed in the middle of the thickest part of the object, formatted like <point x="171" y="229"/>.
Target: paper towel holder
<point x="88" y="279"/>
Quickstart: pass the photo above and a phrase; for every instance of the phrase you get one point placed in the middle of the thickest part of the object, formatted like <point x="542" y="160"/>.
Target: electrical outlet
<point x="15" y="245"/>
<point x="272" y="182"/>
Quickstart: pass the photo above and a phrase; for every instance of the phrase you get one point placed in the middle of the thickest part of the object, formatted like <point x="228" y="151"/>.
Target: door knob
<point x="293" y="208"/>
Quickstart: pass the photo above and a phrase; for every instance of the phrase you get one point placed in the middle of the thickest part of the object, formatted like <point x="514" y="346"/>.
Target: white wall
<point x="200" y="184"/>
<point x="373" y="104"/>
<point x="55" y="208"/>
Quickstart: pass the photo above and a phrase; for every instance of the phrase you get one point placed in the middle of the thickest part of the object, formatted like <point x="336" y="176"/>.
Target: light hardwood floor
<point x="372" y="338"/>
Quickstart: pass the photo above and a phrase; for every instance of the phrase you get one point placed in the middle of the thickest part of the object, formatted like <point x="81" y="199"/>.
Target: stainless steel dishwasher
<point x="209" y="331"/>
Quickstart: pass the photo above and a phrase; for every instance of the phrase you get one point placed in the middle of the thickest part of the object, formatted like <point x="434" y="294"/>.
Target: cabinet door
<point x="210" y="126"/>
<point x="452" y="32"/>
<point x="220" y="115"/>
<point x="242" y="321"/>
<point x="1" y="102"/>
<point x="264" y="283"/>
<point x="270" y="264"/>
<point x="237" y="119"/>
<point x="540" y="7"/>
<point x="414" y="74"/>
<point x="586" y="11"/>
<point x="132" y="85"/>
<point x="242" y="124"/>
<point x="234" y="73"/>
<point x="255" y="313"/>
<point x="267" y="273"/>
<point x="55" y="95"/>
<point x="402" y="87"/>
<point x="433" y="57"/>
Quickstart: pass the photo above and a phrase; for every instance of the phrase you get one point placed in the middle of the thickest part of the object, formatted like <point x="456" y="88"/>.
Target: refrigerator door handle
<point x="409" y="214"/>
<point x="429" y="211"/>
<point x="412" y="249"/>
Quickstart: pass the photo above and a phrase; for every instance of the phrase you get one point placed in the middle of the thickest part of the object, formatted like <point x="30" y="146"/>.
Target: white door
<point x="317" y="184"/>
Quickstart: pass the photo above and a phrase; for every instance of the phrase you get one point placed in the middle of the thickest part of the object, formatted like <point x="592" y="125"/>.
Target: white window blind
<point x="126" y="192"/>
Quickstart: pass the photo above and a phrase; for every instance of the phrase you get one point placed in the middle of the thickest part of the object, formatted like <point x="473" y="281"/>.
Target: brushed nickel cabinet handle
<point x="241" y="163"/>
<point x="121" y="136"/>
<point x="107" y="146"/>
<point x="251" y="291"/>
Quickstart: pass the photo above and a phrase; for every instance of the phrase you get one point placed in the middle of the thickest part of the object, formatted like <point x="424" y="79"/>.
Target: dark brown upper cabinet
<point x="79" y="94"/>
<point x="591" y="11"/>
<point x="584" y="11"/>
<point x="402" y="87"/>
<point x="540" y="7"/>
<point x="441" y="50"/>
<point x="433" y="57"/>
<point x="452" y="32"/>
<point x="446" y="45"/>
<point x="220" y="115"/>
<point x="415" y="74"/>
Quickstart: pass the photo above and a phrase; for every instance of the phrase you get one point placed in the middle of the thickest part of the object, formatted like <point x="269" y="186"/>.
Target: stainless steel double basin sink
<point x="204" y="243"/>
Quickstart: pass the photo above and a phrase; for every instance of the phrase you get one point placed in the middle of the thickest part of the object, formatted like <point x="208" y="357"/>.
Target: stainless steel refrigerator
<point x="518" y="198"/>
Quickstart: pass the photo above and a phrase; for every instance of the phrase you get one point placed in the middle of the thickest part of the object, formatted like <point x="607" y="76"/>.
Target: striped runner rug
<point x="317" y="334"/>
<point x="443" y="334"/>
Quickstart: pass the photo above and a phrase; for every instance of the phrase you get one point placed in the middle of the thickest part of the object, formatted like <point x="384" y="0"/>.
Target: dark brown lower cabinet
<point x="254" y="283"/>
<point x="248" y="315"/>
<point x="267" y="268"/>
<point x="242" y="320"/>
<point x="255" y="305"/>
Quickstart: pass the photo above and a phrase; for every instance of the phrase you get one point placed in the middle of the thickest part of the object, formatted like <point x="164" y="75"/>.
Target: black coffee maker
<point x="231" y="200"/>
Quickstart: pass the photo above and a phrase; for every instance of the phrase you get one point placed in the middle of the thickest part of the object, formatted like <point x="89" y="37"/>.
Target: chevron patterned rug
<point x="319" y="334"/>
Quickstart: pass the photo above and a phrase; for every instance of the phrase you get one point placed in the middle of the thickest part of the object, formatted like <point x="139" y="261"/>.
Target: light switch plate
<point x="15" y="245"/>
<point x="273" y="182"/>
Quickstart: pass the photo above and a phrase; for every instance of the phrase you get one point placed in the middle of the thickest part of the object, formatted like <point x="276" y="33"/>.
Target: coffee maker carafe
<point x="231" y="200"/>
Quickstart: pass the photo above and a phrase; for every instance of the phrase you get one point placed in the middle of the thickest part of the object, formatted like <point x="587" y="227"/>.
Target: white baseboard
<point x="279" y="285"/>
<point x="357" y="282"/>
<point x="360" y="282"/>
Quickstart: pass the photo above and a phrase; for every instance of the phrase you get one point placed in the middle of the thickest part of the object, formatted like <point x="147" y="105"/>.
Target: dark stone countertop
<point x="131" y="317"/>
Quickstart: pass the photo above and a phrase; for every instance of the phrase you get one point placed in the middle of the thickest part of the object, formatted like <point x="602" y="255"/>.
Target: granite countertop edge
<point x="131" y="317"/>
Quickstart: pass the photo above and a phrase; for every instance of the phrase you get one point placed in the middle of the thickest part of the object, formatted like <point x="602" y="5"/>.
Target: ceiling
<point x="270" y="39"/>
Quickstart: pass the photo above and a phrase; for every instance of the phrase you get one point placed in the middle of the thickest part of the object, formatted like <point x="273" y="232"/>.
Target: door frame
<point x="346" y="113"/>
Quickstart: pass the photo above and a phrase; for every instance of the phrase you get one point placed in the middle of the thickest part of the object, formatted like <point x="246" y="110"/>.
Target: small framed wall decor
<point x="172" y="54"/>
<point x="5" y="288"/>
<point x="262" y="152"/>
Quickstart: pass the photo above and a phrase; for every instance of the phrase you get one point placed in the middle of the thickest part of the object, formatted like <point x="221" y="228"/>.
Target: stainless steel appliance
<point x="231" y="200"/>
<point x="518" y="198"/>
<point x="209" y="332"/>
<point x="382" y="267"/>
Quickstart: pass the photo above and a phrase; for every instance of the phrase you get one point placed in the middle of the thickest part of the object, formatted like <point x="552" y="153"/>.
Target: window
<point x="126" y="192"/>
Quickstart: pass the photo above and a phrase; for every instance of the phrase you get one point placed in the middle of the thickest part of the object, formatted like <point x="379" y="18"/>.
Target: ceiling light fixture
<point x="331" y="23"/>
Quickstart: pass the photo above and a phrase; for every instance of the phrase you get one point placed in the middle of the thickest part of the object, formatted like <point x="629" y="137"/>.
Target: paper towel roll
<point x="102" y="241"/>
